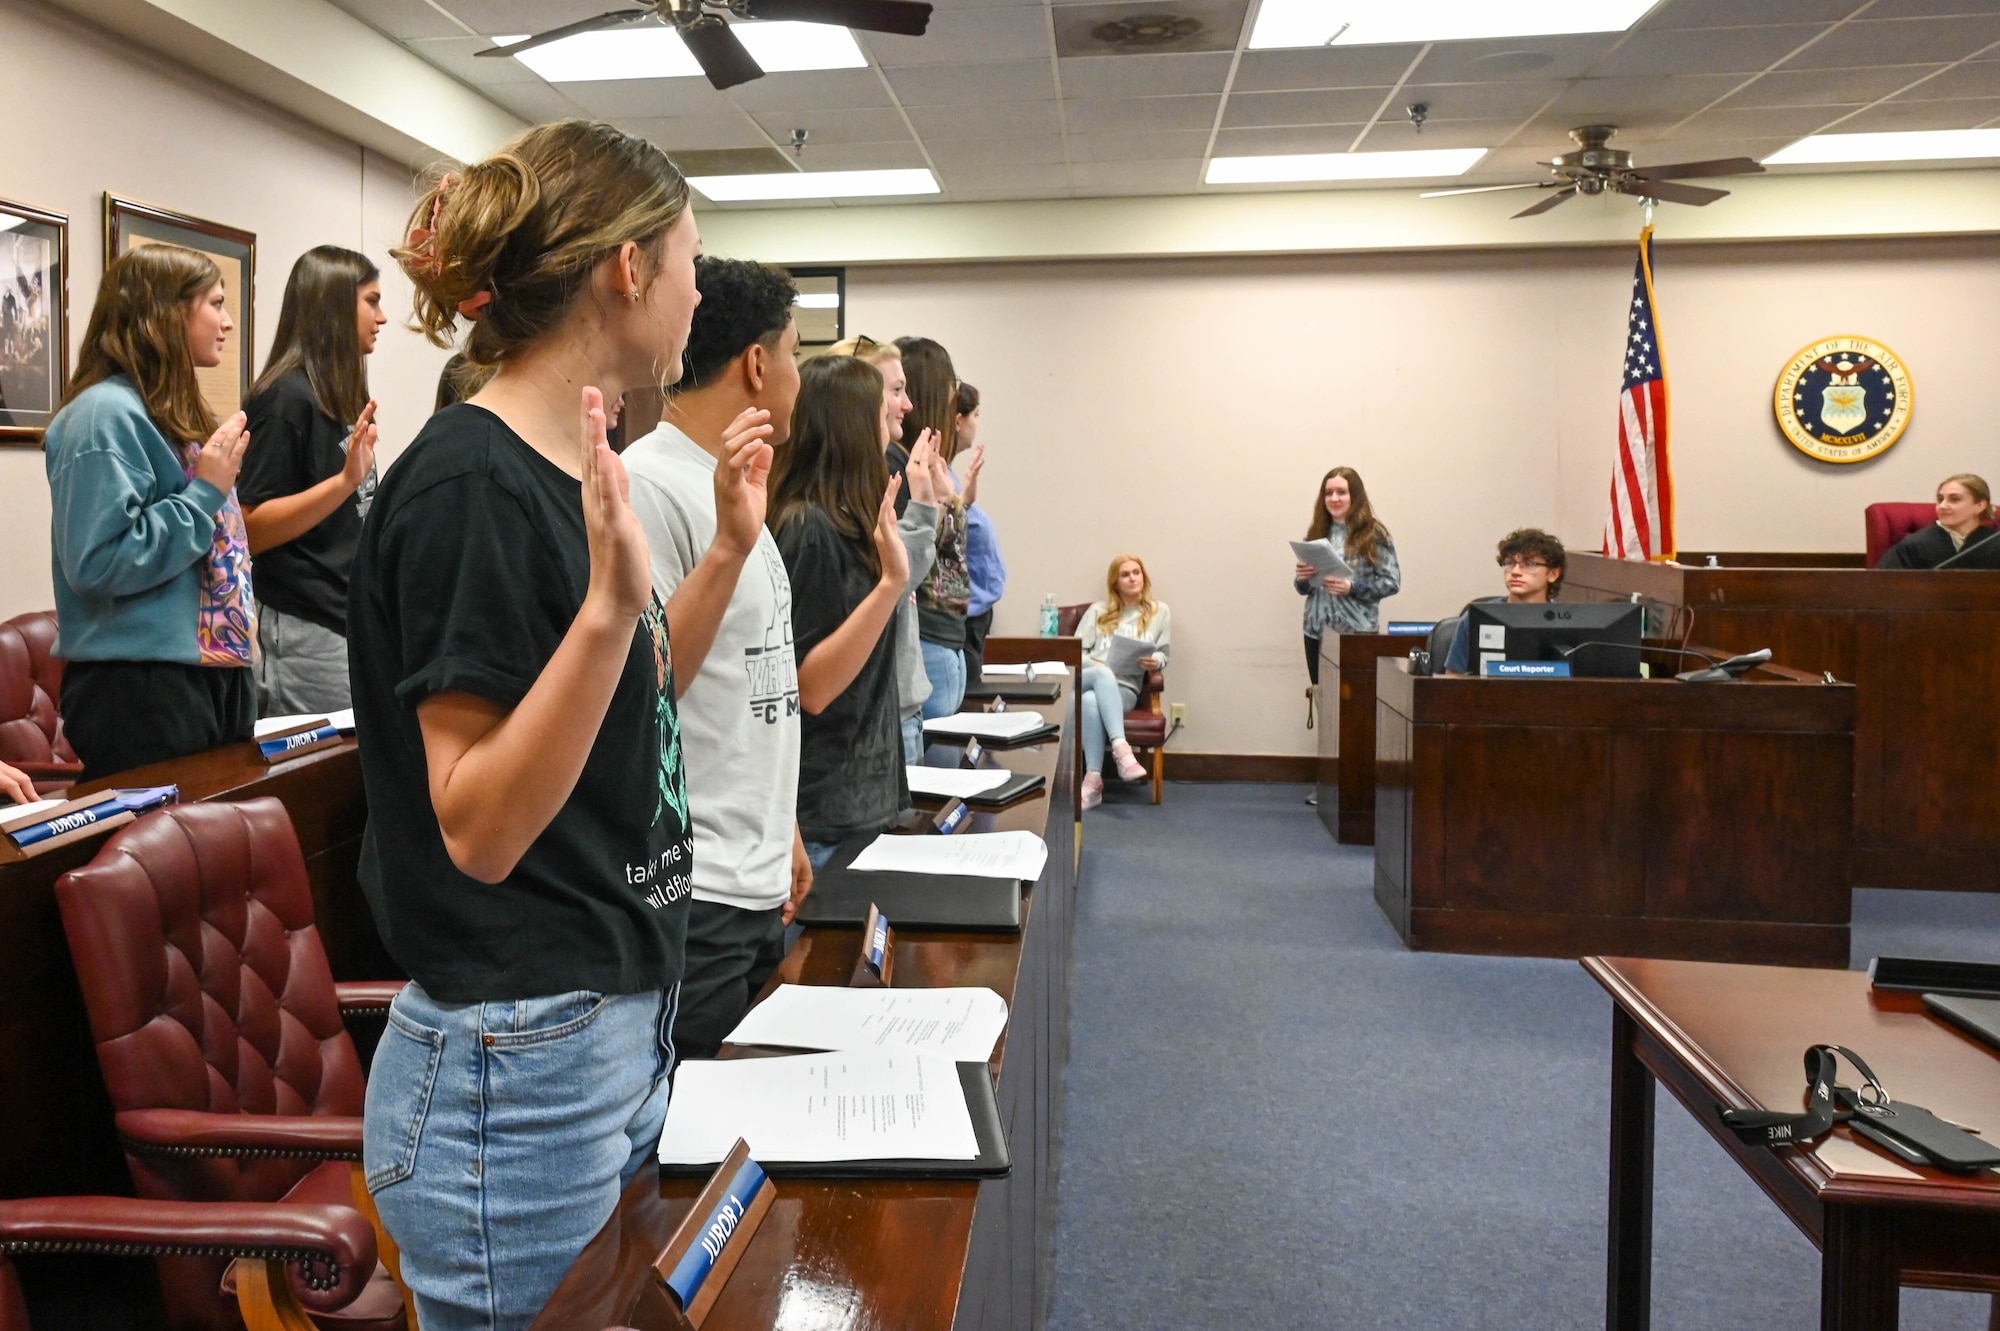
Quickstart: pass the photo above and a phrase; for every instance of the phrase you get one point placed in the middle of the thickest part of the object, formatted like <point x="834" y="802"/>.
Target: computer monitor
<point x="1603" y="634"/>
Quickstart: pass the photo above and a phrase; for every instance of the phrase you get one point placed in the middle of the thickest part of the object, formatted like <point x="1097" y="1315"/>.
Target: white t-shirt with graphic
<point x="740" y="715"/>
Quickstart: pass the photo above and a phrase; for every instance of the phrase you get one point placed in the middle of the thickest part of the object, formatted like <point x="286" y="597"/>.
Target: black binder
<point x="1979" y="1017"/>
<point x="1019" y="787"/>
<point x="841" y="896"/>
<point x="939" y="735"/>
<point x="1024" y="690"/>
<point x="1921" y="975"/>
<point x="994" y="1160"/>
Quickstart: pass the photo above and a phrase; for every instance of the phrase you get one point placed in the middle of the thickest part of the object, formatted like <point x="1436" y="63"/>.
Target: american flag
<point x="1641" y="525"/>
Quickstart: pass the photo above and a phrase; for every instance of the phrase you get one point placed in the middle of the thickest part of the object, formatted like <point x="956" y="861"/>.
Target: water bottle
<point x="1050" y="619"/>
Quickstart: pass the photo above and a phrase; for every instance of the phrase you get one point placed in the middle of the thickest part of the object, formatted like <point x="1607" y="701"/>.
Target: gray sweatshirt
<point x="919" y="525"/>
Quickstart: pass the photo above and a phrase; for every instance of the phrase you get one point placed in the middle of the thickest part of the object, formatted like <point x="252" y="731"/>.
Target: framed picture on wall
<point x="129" y="224"/>
<point x="34" y="319"/>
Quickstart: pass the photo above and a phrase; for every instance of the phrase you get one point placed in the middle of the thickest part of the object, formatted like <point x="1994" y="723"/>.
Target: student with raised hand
<point x="527" y="850"/>
<point x="983" y="561"/>
<point x="152" y="566"/>
<point x="1128" y="610"/>
<point x="834" y="517"/>
<point x="740" y="713"/>
<point x="1343" y="515"/>
<point x="945" y="592"/>
<point x="307" y="484"/>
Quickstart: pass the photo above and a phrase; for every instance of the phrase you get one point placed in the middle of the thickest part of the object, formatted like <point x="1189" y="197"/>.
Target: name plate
<point x="974" y="751"/>
<point x="997" y="705"/>
<point x="45" y="829"/>
<point x="308" y="738"/>
<point x="875" y="966"/>
<point x="698" y="1260"/>
<point x="1410" y="627"/>
<point x="1525" y="669"/>
<point x="951" y="817"/>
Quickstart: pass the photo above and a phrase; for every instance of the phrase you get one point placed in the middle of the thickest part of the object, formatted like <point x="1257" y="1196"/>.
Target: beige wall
<point x="1184" y="409"/>
<point x="90" y="113"/>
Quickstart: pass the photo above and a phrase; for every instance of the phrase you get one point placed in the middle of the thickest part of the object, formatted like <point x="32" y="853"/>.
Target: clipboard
<point x="1022" y="690"/>
<point x="1028" y="739"/>
<point x="994" y="1160"/>
<point x="1018" y="787"/>
<point x="841" y="897"/>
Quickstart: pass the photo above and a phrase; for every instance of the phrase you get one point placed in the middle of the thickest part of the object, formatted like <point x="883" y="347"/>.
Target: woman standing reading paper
<point x="1343" y="517"/>
<point x="527" y="849"/>
<point x="1128" y="610"/>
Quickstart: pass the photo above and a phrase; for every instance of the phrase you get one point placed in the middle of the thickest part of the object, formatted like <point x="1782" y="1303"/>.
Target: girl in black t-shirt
<point x="307" y="482"/>
<point x="834" y="518"/>
<point x="527" y="849"/>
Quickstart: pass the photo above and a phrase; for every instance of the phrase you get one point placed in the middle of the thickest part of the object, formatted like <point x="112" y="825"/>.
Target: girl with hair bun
<point x="527" y="849"/>
<point x="153" y="608"/>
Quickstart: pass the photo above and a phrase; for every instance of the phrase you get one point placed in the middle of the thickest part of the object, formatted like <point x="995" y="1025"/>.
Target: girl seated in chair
<point x="1128" y="610"/>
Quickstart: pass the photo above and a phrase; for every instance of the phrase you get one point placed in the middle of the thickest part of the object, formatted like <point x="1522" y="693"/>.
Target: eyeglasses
<point x="1518" y="562"/>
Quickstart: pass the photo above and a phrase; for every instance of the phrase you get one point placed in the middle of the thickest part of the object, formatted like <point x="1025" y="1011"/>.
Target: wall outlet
<point x="1179" y="713"/>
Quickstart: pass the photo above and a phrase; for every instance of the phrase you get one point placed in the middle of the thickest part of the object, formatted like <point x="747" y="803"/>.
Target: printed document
<point x="1125" y="654"/>
<point x="271" y="725"/>
<point x="957" y="783"/>
<point x="978" y="854"/>
<point x="1043" y="670"/>
<point x="857" y="1105"/>
<point x="24" y="814"/>
<point x="959" y="1024"/>
<point x="987" y="725"/>
<point x="1326" y="561"/>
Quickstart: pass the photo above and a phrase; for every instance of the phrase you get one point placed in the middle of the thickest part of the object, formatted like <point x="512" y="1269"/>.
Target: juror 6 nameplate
<point x="1844" y="399"/>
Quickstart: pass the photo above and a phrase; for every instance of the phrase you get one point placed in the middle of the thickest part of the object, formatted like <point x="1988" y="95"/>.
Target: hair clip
<point x="474" y="306"/>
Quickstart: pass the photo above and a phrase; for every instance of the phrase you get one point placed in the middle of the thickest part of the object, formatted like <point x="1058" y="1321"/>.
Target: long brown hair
<point x="319" y="331"/>
<point x="933" y="386"/>
<point x="509" y="243"/>
<point x="139" y="328"/>
<point x="834" y="461"/>
<point x="1363" y="531"/>
<point x="1114" y="604"/>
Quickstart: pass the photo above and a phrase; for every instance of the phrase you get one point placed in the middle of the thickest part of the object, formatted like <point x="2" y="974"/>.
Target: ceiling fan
<point x="1594" y="169"/>
<point x="704" y="29"/>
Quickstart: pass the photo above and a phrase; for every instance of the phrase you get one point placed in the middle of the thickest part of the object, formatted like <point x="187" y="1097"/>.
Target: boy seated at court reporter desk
<point x="1533" y="563"/>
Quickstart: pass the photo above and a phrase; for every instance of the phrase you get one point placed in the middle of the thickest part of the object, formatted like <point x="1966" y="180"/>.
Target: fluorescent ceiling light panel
<point x="1915" y="145"/>
<point x="815" y="185"/>
<point x="1295" y="167"/>
<point x="653" y="52"/>
<point x="1294" y="23"/>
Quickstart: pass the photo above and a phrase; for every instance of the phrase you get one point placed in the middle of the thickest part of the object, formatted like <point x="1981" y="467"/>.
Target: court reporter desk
<point x="904" y="1255"/>
<point x="1347" y="729"/>
<point x="1562" y="817"/>
<point x="1923" y="652"/>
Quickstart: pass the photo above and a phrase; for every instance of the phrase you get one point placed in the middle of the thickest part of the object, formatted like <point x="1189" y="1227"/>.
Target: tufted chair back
<point x="31" y="695"/>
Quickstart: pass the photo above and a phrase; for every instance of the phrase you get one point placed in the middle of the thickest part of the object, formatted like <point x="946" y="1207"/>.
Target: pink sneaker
<point x="1128" y="766"/>
<point x="1093" y="790"/>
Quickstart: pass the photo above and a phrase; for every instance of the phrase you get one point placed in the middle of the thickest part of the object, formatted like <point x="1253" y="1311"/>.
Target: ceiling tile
<point x="1515" y="58"/>
<point x="981" y="152"/>
<point x="860" y="156"/>
<point x="1974" y="78"/>
<point x="946" y="85"/>
<point x="1902" y="41"/>
<point x="1140" y="115"/>
<point x="1787" y="121"/>
<point x="455" y="56"/>
<point x="687" y="133"/>
<point x="1738" y="13"/>
<point x="402" y="18"/>
<point x="1630" y="101"/>
<point x="1344" y="106"/>
<point x="1136" y="147"/>
<point x="1927" y="8"/>
<point x="1401" y="136"/>
<point x="494" y="17"/>
<point x="1175" y="173"/>
<point x="1968" y="113"/>
<point x="817" y="89"/>
<point x="1005" y="175"/>
<point x="1828" y="87"/>
<point x="1707" y="50"/>
<point x="1144" y="75"/>
<point x="765" y="161"/>
<point x="649" y="99"/>
<point x="986" y="122"/>
<point x="1089" y="29"/>
<point x="534" y="102"/>
<point x="1333" y="67"/>
<point x="877" y="126"/>
<point x="966" y="37"/>
<point x="1004" y="195"/>
<point x="1480" y="101"/>
<point x="1264" y="142"/>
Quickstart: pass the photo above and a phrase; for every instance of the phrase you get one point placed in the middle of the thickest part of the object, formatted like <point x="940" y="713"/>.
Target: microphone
<point x="1714" y="672"/>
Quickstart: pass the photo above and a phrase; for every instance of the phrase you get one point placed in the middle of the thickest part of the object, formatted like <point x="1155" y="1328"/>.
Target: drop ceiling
<point x="1014" y="99"/>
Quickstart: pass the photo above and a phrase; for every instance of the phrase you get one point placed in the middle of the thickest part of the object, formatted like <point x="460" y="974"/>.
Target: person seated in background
<point x="1533" y="562"/>
<point x="1964" y="507"/>
<point x="1128" y="610"/>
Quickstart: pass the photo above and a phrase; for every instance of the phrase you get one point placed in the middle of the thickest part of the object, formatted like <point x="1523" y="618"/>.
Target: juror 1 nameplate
<point x="1844" y="399"/>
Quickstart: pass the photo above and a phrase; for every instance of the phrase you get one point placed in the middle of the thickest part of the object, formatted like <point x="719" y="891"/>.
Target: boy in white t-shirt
<point x="740" y="712"/>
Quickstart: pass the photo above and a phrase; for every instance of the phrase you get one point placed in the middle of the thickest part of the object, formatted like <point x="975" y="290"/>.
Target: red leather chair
<point x="1890" y="523"/>
<point x="333" y="1248"/>
<point x="218" y="1030"/>
<point x="31" y="735"/>
<point x="1146" y="724"/>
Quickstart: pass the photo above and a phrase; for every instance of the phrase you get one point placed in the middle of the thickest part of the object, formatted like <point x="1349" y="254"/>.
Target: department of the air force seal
<point x="1845" y="399"/>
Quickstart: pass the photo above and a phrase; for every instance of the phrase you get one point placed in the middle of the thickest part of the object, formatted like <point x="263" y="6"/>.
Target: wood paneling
<point x="1347" y="729"/>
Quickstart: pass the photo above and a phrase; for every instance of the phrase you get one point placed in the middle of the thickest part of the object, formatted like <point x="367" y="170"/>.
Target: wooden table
<point x="1564" y="817"/>
<point x="1347" y="736"/>
<point x="903" y="1256"/>
<point x="1923" y="652"/>
<point x="1734" y="1037"/>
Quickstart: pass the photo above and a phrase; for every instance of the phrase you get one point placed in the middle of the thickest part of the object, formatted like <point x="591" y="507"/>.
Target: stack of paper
<point x="1125" y="654"/>
<point x="1043" y="669"/>
<point x="976" y="854"/>
<point x="991" y="725"/>
<point x="959" y="1024"/>
<point x="857" y="1105"/>
<point x="23" y="814"/>
<point x="1325" y="560"/>
<point x="343" y="720"/>
<point x="957" y="783"/>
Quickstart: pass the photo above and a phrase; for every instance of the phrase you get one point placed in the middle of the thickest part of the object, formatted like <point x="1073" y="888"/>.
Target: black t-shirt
<point x="471" y="568"/>
<point x="293" y="447"/>
<point x="898" y="459"/>
<point x="851" y="776"/>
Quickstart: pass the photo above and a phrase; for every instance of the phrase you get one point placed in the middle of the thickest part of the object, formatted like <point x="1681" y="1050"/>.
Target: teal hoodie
<point x="130" y="532"/>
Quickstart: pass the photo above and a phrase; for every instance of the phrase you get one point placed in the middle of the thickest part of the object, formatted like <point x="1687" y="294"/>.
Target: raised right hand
<point x="917" y="471"/>
<point x="621" y="565"/>
<point x="360" y="448"/>
<point x="222" y="456"/>
<point x="889" y="542"/>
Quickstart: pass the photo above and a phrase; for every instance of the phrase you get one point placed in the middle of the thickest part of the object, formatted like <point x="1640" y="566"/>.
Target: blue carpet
<point x="1279" y="1117"/>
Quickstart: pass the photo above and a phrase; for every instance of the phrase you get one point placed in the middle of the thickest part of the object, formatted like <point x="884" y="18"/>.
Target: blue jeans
<point x="1105" y="702"/>
<point x="945" y="666"/>
<point x="914" y="743"/>
<point x="819" y="852"/>
<point x="497" y="1137"/>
